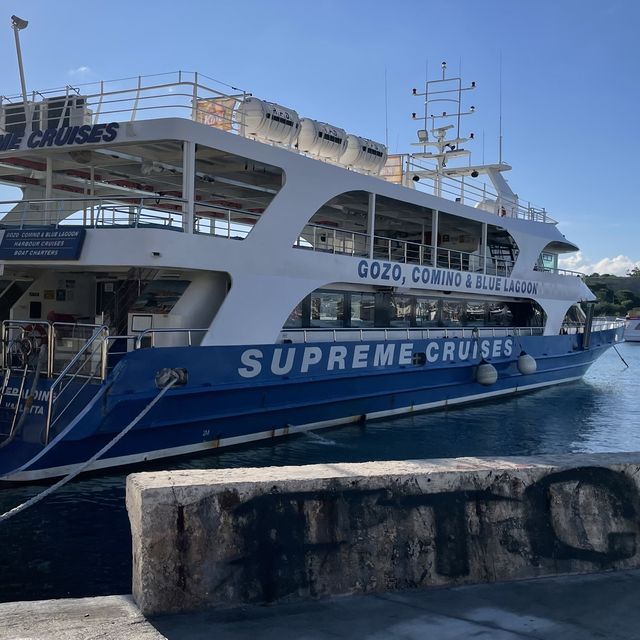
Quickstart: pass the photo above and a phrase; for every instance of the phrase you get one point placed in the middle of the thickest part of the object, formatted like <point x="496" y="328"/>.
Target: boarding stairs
<point x="36" y="390"/>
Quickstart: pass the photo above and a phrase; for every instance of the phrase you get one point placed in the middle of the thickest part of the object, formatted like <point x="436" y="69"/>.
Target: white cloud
<point x="617" y="266"/>
<point x="82" y="70"/>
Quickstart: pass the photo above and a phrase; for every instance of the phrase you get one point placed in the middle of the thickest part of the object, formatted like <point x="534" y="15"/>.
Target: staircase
<point x="125" y="294"/>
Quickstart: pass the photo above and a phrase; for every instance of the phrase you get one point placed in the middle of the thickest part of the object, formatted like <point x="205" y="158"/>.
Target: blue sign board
<point x="42" y="244"/>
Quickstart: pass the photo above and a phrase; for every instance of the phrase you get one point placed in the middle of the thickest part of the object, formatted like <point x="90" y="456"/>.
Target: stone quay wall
<point x="227" y="537"/>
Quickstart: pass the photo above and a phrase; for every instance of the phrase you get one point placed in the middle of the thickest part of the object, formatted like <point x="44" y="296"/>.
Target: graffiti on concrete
<point x="587" y="514"/>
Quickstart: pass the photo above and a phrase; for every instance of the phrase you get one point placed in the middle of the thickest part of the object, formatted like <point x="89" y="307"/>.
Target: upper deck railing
<point x="476" y="195"/>
<point x="317" y="237"/>
<point x="138" y="212"/>
<point x="198" y="97"/>
<point x="182" y="94"/>
<point x="167" y="213"/>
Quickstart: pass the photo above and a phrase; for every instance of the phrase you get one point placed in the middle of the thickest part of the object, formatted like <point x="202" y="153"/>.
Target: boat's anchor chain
<point x="171" y="378"/>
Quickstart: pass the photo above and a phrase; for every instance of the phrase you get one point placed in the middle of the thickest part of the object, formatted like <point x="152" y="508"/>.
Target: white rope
<point x="79" y="469"/>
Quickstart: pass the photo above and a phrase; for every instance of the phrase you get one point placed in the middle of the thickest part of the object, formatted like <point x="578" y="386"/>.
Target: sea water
<point x="77" y="542"/>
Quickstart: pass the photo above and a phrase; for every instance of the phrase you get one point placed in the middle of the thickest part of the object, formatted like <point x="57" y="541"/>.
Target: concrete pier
<point x="107" y="618"/>
<point x="230" y="537"/>
<point x="572" y="608"/>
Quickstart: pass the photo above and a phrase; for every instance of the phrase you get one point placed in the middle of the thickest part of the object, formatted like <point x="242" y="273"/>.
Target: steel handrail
<point x="395" y="333"/>
<point x="152" y="332"/>
<point x="58" y="381"/>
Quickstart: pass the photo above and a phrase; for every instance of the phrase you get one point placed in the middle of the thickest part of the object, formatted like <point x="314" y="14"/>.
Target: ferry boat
<point x="191" y="267"/>
<point x="632" y="326"/>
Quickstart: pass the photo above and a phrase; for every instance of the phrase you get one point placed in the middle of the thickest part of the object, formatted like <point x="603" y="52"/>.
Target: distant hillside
<point x="615" y="283"/>
<point x="616" y="295"/>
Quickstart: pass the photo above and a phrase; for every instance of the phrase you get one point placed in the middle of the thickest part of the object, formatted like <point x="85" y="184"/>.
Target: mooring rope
<point x="79" y="469"/>
<point x="620" y="355"/>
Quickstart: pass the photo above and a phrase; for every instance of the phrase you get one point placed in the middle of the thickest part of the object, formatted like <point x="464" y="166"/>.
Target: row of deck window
<point x="346" y="309"/>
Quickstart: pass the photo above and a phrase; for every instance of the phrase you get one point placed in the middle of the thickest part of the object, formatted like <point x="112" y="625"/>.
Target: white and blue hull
<point x="234" y="395"/>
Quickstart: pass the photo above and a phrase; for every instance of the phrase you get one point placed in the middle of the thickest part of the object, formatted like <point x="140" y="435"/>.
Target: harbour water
<point x="76" y="543"/>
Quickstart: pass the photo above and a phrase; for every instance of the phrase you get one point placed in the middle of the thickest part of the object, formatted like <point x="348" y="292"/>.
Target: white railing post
<point x="194" y="105"/>
<point x="135" y="103"/>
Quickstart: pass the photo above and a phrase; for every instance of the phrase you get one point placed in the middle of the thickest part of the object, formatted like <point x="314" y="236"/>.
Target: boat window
<point x="453" y="312"/>
<point x="402" y="311"/>
<point x="427" y="312"/>
<point x="327" y="309"/>
<point x="362" y="309"/>
<point x="383" y="309"/>
<point x="547" y="261"/>
<point x="160" y="296"/>
<point x="499" y="315"/>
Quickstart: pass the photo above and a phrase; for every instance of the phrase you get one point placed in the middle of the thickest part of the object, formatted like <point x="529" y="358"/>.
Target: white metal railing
<point x="95" y="212"/>
<point x="89" y="364"/>
<point x="317" y="237"/>
<point x="332" y="240"/>
<point x="183" y="94"/>
<point x="473" y="194"/>
<point x="234" y="224"/>
<point x="151" y="334"/>
<point x="322" y="334"/>
<point x="406" y="333"/>
<point x="562" y="272"/>
<point x="118" y="211"/>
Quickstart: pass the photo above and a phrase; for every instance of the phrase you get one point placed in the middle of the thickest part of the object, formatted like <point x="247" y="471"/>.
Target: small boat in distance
<point x="190" y="267"/>
<point x="632" y="326"/>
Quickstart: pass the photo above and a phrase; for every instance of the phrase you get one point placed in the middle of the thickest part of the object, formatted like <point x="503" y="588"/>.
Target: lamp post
<point x="18" y="24"/>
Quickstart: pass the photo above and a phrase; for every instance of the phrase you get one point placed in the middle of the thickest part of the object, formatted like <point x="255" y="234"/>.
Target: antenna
<point x="500" y="116"/>
<point x="386" y="111"/>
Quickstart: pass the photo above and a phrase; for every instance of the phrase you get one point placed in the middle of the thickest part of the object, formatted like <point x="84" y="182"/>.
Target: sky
<point x="567" y="70"/>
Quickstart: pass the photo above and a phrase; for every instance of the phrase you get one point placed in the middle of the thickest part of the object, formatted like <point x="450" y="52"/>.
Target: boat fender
<point x="486" y="374"/>
<point x="527" y="364"/>
<point x="165" y="376"/>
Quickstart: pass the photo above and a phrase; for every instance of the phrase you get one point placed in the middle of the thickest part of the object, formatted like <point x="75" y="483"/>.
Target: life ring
<point x="35" y="334"/>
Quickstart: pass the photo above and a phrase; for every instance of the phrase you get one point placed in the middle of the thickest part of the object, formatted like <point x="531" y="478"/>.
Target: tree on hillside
<point x="635" y="272"/>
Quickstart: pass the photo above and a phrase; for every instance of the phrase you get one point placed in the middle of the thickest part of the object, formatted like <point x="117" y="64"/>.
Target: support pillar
<point x="434" y="238"/>
<point x="371" y="221"/>
<point x="188" y="185"/>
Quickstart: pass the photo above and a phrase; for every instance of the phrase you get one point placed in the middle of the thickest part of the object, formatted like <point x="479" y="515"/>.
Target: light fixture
<point x="416" y="178"/>
<point x="18" y="23"/>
